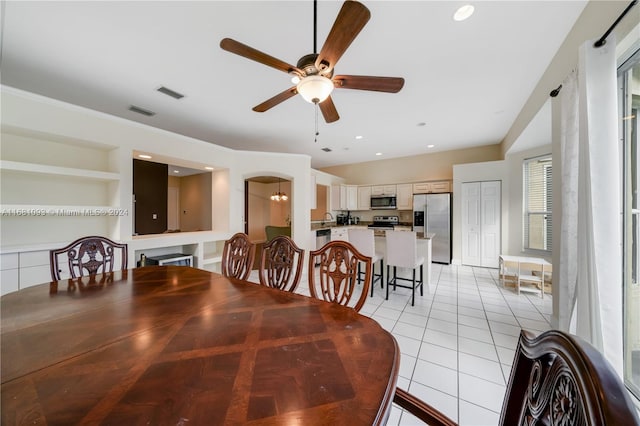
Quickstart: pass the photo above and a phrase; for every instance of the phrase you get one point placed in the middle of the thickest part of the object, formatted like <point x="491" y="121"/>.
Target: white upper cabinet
<point x="364" y="198"/>
<point x="383" y="190"/>
<point x="432" y="187"/>
<point x="344" y="197"/>
<point x="404" y="197"/>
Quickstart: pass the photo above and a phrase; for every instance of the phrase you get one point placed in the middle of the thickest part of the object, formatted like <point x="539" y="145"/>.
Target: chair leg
<point x="422" y="280"/>
<point x="394" y="278"/>
<point x="413" y="287"/>
<point x="373" y="276"/>
<point x="381" y="273"/>
<point x="387" y="298"/>
<point x="359" y="272"/>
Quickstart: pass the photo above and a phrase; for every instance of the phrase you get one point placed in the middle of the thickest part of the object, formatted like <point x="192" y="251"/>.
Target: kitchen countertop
<point x="330" y="225"/>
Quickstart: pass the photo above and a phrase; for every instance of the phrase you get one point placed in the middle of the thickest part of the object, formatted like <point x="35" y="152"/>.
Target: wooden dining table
<point x="175" y="345"/>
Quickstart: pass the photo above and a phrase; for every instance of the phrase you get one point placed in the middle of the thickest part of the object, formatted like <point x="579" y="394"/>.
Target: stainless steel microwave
<point x="380" y="202"/>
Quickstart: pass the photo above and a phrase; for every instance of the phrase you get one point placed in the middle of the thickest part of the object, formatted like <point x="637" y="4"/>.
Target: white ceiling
<point x="466" y="80"/>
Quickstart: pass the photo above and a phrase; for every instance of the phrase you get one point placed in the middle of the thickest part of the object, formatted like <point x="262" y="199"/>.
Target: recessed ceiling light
<point x="463" y="13"/>
<point x="358" y="137"/>
<point x="378" y="153"/>
<point x="145" y="156"/>
<point x="209" y="168"/>
<point x="176" y="171"/>
<point x="430" y="146"/>
<point x="422" y="123"/>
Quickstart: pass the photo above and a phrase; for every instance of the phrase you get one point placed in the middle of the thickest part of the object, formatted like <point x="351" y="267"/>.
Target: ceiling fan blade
<point x="364" y="82"/>
<point x="238" y="48"/>
<point x="329" y="111"/>
<point x="351" y="19"/>
<point x="280" y="97"/>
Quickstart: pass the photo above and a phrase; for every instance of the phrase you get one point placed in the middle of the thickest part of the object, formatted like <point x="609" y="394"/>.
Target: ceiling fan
<point x="313" y="73"/>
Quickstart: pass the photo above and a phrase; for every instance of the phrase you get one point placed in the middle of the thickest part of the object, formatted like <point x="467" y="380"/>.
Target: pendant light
<point x="279" y="196"/>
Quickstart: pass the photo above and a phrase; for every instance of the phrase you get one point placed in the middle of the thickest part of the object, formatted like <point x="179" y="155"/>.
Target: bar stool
<point x="402" y="251"/>
<point x="363" y="240"/>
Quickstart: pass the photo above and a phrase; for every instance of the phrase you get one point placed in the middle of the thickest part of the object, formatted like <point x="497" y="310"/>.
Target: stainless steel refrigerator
<point x="432" y="213"/>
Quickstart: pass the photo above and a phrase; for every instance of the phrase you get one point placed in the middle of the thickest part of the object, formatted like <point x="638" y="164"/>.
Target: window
<point x="629" y="106"/>
<point x="537" y="174"/>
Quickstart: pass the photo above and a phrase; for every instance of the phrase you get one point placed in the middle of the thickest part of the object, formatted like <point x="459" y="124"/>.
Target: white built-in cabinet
<point x="432" y="187"/>
<point x="383" y="190"/>
<point x="344" y="197"/>
<point x="404" y="196"/>
<point x="364" y="198"/>
<point x="481" y="223"/>
<point x="340" y="233"/>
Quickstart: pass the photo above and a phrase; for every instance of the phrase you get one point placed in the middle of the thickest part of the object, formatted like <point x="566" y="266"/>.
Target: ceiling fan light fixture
<point x="315" y="88"/>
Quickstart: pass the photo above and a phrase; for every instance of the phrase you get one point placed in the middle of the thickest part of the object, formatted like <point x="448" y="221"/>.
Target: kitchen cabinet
<point x="364" y="198"/>
<point x="383" y="190"/>
<point x="340" y="233"/>
<point x="404" y="199"/>
<point x="344" y="197"/>
<point x="432" y="187"/>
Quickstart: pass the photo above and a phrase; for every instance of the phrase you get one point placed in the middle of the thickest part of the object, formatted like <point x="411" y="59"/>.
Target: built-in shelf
<point x="210" y="260"/>
<point x="18" y="166"/>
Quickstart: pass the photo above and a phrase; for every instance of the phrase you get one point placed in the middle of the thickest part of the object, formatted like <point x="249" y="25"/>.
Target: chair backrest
<point x="556" y="378"/>
<point x="281" y="264"/>
<point x="273" y="231"/>
<point x="237" y="256"/>
<point x="401" y="248"/>
<point x="88" y="256"/>
<point x="336" y="278"/>
<point x="363" y="240"/>
<point x="560" y="375"/>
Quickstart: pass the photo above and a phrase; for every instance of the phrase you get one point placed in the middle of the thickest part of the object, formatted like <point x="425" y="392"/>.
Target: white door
<point x="471" y="224"/>
<point x="481" y="223"/>
<point x="490" y="220"/>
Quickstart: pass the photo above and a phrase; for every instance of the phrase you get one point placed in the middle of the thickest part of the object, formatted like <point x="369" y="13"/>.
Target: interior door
<point x="490" y="219"/>
<point x="471" y="225"/>
<point x="481" y="223"/>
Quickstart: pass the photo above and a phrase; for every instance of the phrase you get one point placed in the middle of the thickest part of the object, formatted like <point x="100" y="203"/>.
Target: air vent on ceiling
<point x="142" y="111"/>
<point x="170" y="92"/>
<point x="326" y="149"/>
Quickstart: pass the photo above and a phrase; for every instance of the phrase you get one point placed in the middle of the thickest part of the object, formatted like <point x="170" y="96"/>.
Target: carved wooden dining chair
<point x="281" y="264"/>
<point x="237" y="256"/>
<point x="88" y="256"/>
<point x="337" y="275"/>
<point x="556" y="378"/>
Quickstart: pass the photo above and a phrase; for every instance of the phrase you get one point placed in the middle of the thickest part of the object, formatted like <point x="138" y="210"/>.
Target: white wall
<point x="55" y="120"/>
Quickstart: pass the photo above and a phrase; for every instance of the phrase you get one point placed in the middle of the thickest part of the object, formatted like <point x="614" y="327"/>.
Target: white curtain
<point x="590" y="279"/>
<point x="568" y="221"/>
<point x="599" y="278"/>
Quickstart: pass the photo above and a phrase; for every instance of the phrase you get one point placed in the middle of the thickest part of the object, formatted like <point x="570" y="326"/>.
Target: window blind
<point x="537" y="203"/>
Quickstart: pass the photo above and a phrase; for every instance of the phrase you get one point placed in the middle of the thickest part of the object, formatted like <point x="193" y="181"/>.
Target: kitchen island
<point x="424" y="244"/>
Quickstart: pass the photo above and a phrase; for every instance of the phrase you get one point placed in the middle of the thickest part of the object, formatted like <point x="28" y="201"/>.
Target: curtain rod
<point x="602" y="41"/>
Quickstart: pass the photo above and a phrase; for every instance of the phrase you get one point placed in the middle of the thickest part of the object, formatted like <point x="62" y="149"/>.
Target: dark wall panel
<point x="150" y="182"/>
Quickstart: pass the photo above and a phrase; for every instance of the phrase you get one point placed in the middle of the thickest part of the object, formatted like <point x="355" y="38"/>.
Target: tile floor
<point x="458" y="341"/>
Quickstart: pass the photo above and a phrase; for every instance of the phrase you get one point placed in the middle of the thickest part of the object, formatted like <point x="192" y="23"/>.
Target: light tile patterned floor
<point x="458" y="341"/>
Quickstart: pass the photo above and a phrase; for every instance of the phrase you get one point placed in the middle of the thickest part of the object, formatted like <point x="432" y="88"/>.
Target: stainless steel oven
<point x="386" y="202"/>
